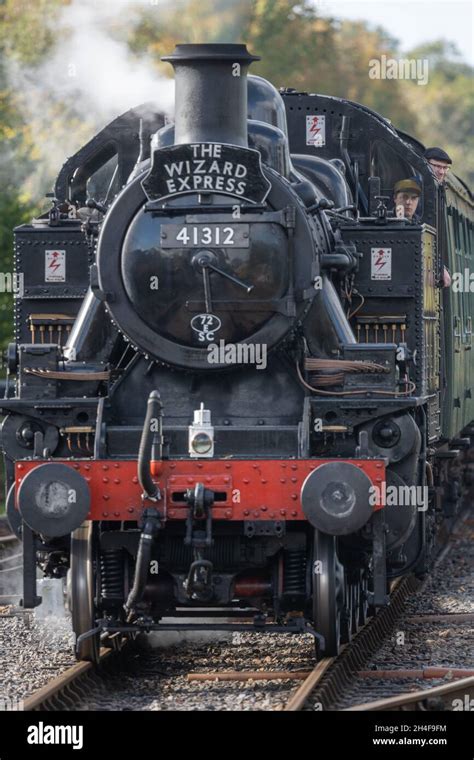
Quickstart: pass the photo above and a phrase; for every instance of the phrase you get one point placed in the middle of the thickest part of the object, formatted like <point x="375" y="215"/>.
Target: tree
<point x="296" y="46"/>
<point x="445" y="110"/>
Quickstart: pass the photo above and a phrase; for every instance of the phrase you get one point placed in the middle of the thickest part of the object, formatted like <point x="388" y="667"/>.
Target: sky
<point x="412" y="21"/>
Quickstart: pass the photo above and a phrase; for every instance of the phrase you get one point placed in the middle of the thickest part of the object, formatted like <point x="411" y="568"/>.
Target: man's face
<point x="409" y="201"/>
<point x="439" y="168"/>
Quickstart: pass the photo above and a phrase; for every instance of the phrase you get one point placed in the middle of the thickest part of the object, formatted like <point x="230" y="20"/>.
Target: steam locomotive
<point x="233" y="362"/>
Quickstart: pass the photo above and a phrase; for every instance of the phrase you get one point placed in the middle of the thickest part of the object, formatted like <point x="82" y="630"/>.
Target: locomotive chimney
<point x="211" y="93"/>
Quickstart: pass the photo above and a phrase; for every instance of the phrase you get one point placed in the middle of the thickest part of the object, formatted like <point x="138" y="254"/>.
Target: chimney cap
<point x="216" y="51"/>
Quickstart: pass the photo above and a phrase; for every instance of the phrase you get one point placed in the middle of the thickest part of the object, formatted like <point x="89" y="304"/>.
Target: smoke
<point x="11" y="575"/>
<point x="94" y="63"/>
<point x="90" y="77"/>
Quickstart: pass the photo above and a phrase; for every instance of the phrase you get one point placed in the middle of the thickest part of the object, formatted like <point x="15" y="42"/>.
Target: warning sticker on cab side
<point x="381" y="268"/>
<point x="316" y="130"/>
<point x="55" y="266"/>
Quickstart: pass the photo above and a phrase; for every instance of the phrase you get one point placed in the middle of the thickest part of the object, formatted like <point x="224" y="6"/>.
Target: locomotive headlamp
<point x="336" y="498"/>
<point x="54" y="499"/>
<point x="201" y="434"/>
<point x="201" y="444"/>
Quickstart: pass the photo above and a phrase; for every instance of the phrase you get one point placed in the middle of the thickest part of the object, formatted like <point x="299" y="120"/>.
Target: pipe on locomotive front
<point x="211" y="93"/>
<point x="150" y="439"/>
<point x="142" y="564"/>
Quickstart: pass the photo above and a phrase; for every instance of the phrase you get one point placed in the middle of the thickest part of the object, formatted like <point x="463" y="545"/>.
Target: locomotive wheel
<point x="82" y="590"/>
<point x="328" y="593"/>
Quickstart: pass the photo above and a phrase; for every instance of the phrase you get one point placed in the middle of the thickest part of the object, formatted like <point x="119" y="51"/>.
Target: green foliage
<point x="445" y="113"/>
<point x="13" y="211"/>
<point x="26" y="34"/>
<point x="15" y="206"/>
<point x="297" y="48"/>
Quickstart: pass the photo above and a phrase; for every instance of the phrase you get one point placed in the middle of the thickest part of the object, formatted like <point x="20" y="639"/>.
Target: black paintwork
<point x="310" y="242"/>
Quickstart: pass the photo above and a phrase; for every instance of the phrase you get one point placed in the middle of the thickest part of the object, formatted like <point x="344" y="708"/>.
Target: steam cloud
<point x="90" y="77"/>
<point x="100" y="68"/>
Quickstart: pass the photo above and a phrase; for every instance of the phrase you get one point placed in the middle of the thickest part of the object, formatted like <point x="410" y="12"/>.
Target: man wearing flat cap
<point x="439" y="162"/>
<point x="406" y="196"/>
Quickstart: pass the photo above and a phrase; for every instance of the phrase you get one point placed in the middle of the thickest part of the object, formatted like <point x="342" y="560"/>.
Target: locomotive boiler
<point x="228" y="355"/>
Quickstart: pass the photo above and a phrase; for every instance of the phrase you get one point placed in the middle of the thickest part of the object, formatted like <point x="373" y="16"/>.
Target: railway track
<point x="62" y="692"/>
<point x="73" y="688"/>
<point x="145" y="680"/>
<point x="323" y="687"/>
<point x="437" y="698"/>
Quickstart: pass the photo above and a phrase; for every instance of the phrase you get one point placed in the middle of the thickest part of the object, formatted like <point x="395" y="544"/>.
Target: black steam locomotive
<point x="233" y="386"/>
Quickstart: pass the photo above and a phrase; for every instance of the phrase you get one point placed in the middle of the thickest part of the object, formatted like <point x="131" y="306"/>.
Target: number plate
<point x="200" y="235"/>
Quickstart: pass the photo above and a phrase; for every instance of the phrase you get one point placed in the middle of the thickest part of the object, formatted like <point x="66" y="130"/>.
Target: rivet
<point x="20" y="467"/>
<point x="246" y="480"/>
<point x="106" y="496"/>
<point x="105" y="466"/>
<point x="105" y="514"/>
<point x="264" y="509"/>
<point x="117" y="480"/>
<point x="294" y="496"/>
<point x="130" y="509"/>
<point x="264" y="481"/>
<point x="283" y="511"/>
<point x="294" y="513"/>
<point x="282" y="480"/>
<point x="294" y="480"/>
<point x="246" y="512"/>
<point x="117" y="514"/>
<point x="134" y="479"/>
